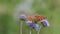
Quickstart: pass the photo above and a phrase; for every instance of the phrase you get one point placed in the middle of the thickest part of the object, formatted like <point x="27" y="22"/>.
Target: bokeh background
<point x="9" y="23"/>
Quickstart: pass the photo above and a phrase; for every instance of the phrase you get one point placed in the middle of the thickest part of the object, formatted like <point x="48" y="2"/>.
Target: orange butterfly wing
<point x="39" y="18"/>
<point x="31" y="19"/>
